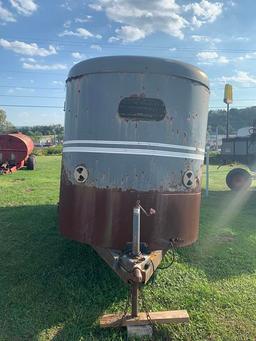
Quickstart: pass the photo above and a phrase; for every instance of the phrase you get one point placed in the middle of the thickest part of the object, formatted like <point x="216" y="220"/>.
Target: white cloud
<point x="78" y="55"/>
<point x="231" y="3"/>
<point x="211" y="57"/>
<point x="241" y="38"/>
<point x="223" y="60"/>
<point x="130" y="33"/>
<point x="24" y="7"/>
<point x="58" y="83"/>
<point x="5" y="14"/>
<point x="83" y="20"/>
<point x="204" y="11"/>
<point x="207" y="55"/>
<point x="12" y="90"/>
<point x="113" y="39"/>
<point x="138" y="19"/>
<point x="248" y="56"/>
<point x="96" y="7"/>
<point x="27" y="49"/>
<point x="37" y="66"/>
<point x="241" y="77"/>
<point x="96" y="47"/>
<point x="67" y="23"/>
<point x="80" y="32"/>
<point x="206" y="39"/>
<point x="66" y="5"/>
<point x="30" y="60"/>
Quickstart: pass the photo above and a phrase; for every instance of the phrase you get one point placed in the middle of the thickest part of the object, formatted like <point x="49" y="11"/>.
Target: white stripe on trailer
<point x="148" y="152"/>
<point x="135" y="143"/>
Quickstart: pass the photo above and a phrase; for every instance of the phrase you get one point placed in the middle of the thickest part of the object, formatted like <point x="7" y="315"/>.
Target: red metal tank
<point x="15" y="149"/>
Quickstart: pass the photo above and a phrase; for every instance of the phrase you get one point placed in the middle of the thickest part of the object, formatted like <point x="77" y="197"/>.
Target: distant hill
<point x="238" y="118"/>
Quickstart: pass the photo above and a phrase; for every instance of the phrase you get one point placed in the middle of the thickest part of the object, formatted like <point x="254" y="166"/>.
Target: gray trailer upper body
<point x="135" y="129"/>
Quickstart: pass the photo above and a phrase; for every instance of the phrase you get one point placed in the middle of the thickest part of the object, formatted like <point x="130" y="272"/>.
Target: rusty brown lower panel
<point x="103" y="217"/>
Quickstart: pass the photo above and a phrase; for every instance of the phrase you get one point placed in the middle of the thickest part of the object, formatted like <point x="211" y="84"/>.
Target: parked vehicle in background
<point x="240" y="149"/>
<point x="16" y="152"/>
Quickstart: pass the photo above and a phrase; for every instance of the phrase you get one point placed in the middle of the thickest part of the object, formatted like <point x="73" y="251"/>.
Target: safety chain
<point x="145" y="307"/>
<point x="126" y="307"/>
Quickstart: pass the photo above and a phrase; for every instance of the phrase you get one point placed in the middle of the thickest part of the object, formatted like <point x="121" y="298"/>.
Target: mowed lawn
<point x="55" y="289"/>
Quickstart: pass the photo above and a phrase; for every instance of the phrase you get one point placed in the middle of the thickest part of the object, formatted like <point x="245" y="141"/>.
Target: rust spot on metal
<point x="102" y="217"/>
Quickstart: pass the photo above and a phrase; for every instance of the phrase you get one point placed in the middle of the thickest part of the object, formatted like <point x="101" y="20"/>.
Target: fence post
<point x="207" y="172"/>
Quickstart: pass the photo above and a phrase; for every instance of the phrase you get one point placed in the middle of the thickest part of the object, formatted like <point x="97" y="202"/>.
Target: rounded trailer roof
<point x="138" y="64"/>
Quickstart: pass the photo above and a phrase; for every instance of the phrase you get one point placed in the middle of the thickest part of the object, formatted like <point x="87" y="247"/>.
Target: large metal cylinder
<point x="135" y="129"/>
<point x="15" y="148"/>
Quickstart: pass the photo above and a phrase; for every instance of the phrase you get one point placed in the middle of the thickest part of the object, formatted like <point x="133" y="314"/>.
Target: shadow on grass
<point x="227" y="242"/>
<point x="51" y="288"/>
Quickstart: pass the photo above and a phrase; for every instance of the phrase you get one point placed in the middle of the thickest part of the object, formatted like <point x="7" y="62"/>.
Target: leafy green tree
<point x="5" y="125"/>
<point x="238" y="118"/>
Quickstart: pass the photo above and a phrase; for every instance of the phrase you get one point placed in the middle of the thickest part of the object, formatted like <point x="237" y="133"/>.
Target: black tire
<point x="238" y="179"/>
<point x="31" y="162"/>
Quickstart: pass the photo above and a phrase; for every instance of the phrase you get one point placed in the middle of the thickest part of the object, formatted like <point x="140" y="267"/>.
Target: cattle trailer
<point x="135" y="130"/>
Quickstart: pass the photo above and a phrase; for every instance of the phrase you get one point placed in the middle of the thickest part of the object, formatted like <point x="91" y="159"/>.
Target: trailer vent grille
<point x="142" y="109"/>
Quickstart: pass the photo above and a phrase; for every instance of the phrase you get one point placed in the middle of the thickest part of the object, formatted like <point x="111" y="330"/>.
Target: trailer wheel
<point x="238" y="179"/>
<point x="31" y="162"/>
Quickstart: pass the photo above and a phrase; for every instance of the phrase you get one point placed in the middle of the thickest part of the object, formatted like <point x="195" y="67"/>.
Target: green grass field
<point x="55" y="289"/>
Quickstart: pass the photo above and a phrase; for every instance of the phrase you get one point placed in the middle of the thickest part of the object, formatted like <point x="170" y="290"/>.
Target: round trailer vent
<point x="81" y="174"/>
<point x="188" y="179"/>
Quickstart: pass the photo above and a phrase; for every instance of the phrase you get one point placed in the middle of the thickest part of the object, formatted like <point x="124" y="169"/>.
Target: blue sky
<point x="40" y="40"/>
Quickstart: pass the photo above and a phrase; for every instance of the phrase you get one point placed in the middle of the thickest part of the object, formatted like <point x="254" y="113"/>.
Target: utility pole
<point x="217" y="137"/>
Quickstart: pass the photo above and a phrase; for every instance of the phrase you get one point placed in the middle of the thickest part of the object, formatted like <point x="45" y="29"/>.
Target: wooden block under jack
<point x="172" y="316"/>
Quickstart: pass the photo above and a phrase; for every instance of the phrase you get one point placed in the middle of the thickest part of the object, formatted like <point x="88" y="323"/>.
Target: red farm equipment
<point x="16" y="152"/>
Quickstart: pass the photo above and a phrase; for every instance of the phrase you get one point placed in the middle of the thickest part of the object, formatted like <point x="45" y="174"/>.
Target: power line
<point x="30" y="106"/>
<point x="234" y="87"/>
<point x="30" y="96"/>
<point x="235" y="107"/>
<point x="63" y="88"/>
<point x="41" y="72"/>
<point x="135" y="45"/>
<point x="237" y="100"/>
<point x="30" y="87"/>
<point x="63" y="97"/>
<point x="61" y="107"/>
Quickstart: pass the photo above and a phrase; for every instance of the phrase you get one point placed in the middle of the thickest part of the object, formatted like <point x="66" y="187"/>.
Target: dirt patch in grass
<point x="225" y="238"/>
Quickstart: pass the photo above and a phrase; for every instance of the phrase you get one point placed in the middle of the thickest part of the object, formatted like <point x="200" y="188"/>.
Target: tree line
<point x="36" y="132"/>
<point x="238" y="118"/>
<point x="56" y="130"/>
